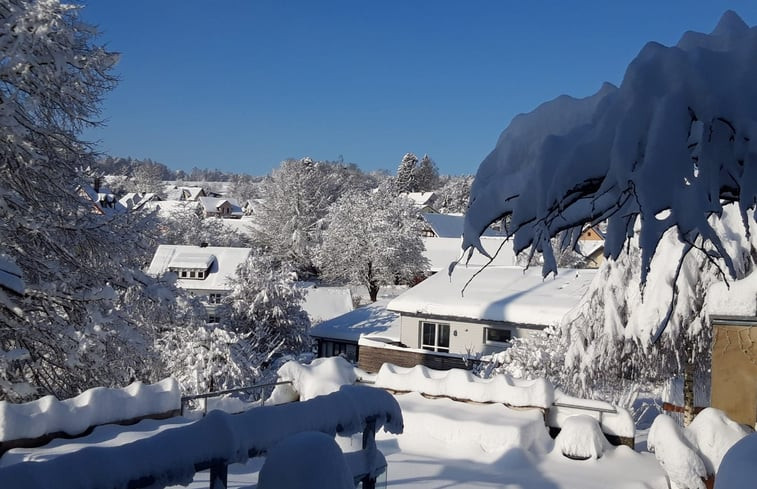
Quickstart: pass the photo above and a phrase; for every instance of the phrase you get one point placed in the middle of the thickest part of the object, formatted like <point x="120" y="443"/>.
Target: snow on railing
<point x="71" y="417"/>
<point x="172" y="456"/>
<point x="462" y="384"/>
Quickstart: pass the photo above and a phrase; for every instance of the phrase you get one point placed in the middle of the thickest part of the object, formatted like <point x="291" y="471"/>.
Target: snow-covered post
<point x="219" y="474"/>
<point x="369" y="447"/>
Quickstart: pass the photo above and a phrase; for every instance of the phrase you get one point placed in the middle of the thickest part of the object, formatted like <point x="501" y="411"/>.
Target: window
<point x="435" y="336"/>
<point x="192" y="274"/>
<point x="328" y="348"/>
<point x="494" y="335"/>
<point x="200" y="274"/>
<point x="183" y="274"/>
<point x="215" y="298"/>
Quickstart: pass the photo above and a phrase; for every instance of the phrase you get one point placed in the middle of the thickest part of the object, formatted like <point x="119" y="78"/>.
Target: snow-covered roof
<point x="185" y="259"/>
<point x="373" y="321"/>
<point x="135" y="200"/>
<point x="421" y="198"/>
<point x="166" y="208"/>
<point x="212" y="204"/>
<point x="222" y="268"/>
<point x="509" y="294"/>
<point x="440" y="252"/>
<point x="588" y="247"/>
<point x="324" y="303"/>
<point x="450" y="225"/>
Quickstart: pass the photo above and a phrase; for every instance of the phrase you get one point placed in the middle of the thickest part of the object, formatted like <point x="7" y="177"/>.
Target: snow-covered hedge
<point x="170" y="456"/>
<point x="91" y="408"/>
<point x="691" y="453"/>
<point x="462" y="384"/>
<point x="323" y="376"/>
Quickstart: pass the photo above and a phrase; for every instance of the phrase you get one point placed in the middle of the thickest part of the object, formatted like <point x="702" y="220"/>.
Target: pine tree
<point x="405" y="181"/>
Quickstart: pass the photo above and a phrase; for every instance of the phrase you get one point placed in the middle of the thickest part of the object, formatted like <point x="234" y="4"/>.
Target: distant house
<point x="591" y="244"/>
<point x="437" y="225"/>
<point x="205" y="271"/>
<point x="220" y="207"/>
<point x="178" y="192"/>
<point x="440" y="252"/>
<point x="133" y="201"/>
<point x="103" y="200"/>
<point x="424" y="201"/>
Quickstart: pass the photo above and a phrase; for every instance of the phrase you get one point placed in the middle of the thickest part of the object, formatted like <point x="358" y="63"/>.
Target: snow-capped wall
<point x="617" y="421"/>
<point x="93" y="407"/>
<point x="462" y="384"/>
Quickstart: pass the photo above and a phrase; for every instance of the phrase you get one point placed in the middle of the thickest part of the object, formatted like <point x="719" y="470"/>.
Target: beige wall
<point x="465" y="337"/>
<point x="734" y="371"/>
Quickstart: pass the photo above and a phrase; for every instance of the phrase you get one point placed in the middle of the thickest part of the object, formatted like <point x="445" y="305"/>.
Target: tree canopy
<point x="669" y="147"/>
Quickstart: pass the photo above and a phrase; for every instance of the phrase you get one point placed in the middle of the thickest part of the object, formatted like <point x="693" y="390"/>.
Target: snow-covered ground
<point x="468" y="445"/>
<point x="444" y="443"/>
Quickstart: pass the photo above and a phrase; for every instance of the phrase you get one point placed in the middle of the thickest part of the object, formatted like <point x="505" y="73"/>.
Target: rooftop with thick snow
<point x="507" y="294"/>
<point x="373" y="321"/>
<point x="223" y="266"/>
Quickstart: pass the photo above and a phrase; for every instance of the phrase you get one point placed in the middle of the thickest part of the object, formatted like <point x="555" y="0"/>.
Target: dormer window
<point x="192" y="266"/>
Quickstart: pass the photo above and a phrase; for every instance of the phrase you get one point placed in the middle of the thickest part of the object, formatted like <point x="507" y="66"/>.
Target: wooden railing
<point x="174" y="455"/>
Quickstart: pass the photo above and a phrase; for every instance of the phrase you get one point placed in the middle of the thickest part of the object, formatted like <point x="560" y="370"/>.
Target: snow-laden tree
<point x="296" y="199"/>
<point x="373" y="239"/>
<point x="453" y="194"/>
<point x="265" y="310"/>
<point x="187" y="226"/>
<point x="426" y="175"/>
<point x="406" y="173"/>
<point x="674" y="143"/>
<point x="87" y="316"/>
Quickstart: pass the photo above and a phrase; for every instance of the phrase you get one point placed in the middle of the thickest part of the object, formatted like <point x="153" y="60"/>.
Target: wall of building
<point x="465" y="336"/>
<point x="734" y="370"/>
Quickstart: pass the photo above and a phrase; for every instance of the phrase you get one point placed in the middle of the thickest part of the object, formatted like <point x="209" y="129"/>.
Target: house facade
<point x="443" y="323"/>
<point x="207" y="272"/>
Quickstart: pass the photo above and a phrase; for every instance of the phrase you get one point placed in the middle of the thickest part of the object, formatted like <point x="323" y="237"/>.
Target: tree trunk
<point x="688" y="387"/>
<point x="373" y="289"/>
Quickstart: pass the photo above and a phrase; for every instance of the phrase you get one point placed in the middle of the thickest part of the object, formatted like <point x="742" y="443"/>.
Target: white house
<point x="220" y="207"/>
<point x="498" y="304"/>
<point x="205" y="271"/>
<point x="438" y="325"/>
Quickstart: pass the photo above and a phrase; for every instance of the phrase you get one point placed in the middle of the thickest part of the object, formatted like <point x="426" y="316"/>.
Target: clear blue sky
<point x="242" y="85"/>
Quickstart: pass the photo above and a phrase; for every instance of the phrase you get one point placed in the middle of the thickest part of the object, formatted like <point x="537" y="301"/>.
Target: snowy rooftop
<point x="192" y="259"/>
<point x="221" y="270"/>
<point x="211" y="204"/>
<point x="509" y="294"/>
<point x="324" y="303"/>
<point x="420" y="198"/>
<point x="440" y="252"/>
<point x="450" y="225"/>
<point x="373" y="321"/>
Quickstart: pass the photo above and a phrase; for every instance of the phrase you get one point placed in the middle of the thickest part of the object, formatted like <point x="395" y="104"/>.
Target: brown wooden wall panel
<point x="371" y="359"/>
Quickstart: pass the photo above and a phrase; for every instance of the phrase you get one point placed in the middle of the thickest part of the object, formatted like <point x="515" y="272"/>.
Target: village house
<point x="423" y="201"/>
<point x="439" y="325"/>
<point x="102" y="199"/>
<point x="226" y="208"/>
<point x="205" y="271"/>
<point x="134" y="201"/>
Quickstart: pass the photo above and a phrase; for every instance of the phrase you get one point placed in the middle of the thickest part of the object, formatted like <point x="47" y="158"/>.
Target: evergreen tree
<point x="405" y="181"/>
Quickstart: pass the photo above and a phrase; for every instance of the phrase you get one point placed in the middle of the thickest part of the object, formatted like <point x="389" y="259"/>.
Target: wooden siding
<point x="370" y="359"/>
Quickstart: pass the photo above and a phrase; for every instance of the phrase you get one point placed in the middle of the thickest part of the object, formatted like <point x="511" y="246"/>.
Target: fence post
<point x="219" y="474"/>
<point x="369" y="446"/>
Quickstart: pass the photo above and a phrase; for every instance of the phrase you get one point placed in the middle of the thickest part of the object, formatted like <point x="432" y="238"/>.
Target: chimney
<point x="203" y="245"/>
<point x="96" y="184"/>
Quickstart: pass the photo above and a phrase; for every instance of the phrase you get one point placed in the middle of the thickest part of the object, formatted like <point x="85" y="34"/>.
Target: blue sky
<point x="242" y="85"/>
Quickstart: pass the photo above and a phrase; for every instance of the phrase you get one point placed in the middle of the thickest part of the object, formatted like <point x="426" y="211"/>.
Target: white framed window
<point x="183" y="274"/>
<point x="497" y="335"/>
<point x="435" y="336"/>
<point x="215" y="298"/>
